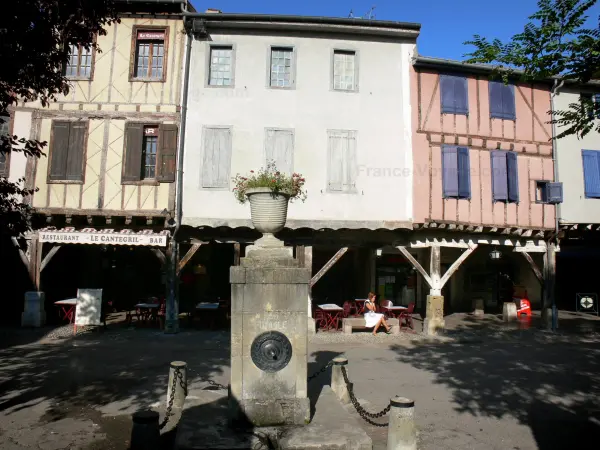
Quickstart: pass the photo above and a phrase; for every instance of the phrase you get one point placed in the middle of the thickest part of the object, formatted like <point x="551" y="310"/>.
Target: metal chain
<point x="177" y="375"/>
<point x="319" y="372"/>
<point x="361" y="411"/>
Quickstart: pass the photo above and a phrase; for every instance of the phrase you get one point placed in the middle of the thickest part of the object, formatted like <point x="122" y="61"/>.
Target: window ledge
<point x="147" y="80"/>
<point x="347" y="91"/>
<point x="141" y="183"/>
<point x="65" y="182"/>
<point x="219" y="86"/>
<point x="79" y="78"/>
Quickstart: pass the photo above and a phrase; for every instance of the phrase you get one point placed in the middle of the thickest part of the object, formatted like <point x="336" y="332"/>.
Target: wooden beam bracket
<point x="328" y="265"/>
<point x="190" y="253"/>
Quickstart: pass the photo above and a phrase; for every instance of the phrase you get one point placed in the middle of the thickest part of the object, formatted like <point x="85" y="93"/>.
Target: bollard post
<point x="180" y="384"/>
<point x="338" y="385"/>
<point x="402" y="433"/>
<point x="145" y="434"/>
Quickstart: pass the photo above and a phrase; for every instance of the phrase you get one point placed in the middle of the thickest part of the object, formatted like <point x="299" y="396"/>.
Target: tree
<point x="554" y="45"/>
<point x="35" y="38"/>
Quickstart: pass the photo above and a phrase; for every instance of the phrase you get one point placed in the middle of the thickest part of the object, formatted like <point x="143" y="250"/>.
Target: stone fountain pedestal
<point x="269" y="337"/>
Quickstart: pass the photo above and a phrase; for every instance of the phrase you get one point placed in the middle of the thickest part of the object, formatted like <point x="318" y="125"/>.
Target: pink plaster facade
<point x="529" y="135"/>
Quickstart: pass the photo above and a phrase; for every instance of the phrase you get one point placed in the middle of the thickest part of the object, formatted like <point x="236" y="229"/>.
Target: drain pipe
<point x="557" y="210"/>
<point x="172" y="301"/>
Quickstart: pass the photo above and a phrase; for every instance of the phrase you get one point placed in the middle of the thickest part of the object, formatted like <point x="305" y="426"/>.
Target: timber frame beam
<point x="328" y="265"/>
<point x="190" y="253"/>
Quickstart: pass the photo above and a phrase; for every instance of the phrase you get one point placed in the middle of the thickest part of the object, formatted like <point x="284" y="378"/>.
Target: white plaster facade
<point x="378" y="112"/>
<point x="576" y="208"/>
<point x="21" y="126"/>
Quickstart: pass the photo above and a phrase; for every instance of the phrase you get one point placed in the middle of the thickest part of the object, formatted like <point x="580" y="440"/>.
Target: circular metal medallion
<point x="271" y="351"/>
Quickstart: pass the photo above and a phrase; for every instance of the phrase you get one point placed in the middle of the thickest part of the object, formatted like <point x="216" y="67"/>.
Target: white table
<point x="207" y="305"/>
<point x="68" y="307"/>
<point x="332" y="315"/>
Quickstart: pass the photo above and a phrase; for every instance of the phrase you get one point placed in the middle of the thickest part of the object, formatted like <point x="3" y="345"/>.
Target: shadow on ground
<point x="549" y="382"/>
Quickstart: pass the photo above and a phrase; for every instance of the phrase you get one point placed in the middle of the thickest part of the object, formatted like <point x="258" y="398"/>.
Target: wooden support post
<point x="434" y="271"/>
<point x="190" y="253"/>
<point x="300" y="255"/>
<point x="534" y="267"/>
<point x="160" y="255"/>
<point x="35" y="260"/>
<point x="308" y="257"/>
<point x="22" y="254"/>
<point x="236" y="253"/>
<point x="49" y="256"/>
<point x="328" y="265"/>
<point x="455" y="265"/>
<point x="415" y="264"/>
<point x="172" y="281"/>
<point x="549" y="279"/>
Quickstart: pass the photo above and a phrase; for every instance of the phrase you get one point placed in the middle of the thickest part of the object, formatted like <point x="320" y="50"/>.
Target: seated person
<point x="372" y="318"/>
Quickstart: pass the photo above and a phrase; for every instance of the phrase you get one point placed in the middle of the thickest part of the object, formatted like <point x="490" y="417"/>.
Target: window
<point x="342" y="161"/>
<point x="281" y="67"/>
<point x="456" y="172"/>
<point x="502" y="100"/>
<point x="591" y="173"/>
<point x="505" y="177"/>
<point x="279" y="148"/>
<point x="453" y="90"/>
<point x="67" y="151"/>
<point x="345" y="75"/>
<point x="548" y="192"/>
<point x="80" y="63"/>
<point x="150" y="55"/>
<point x="150" y="153"/>
<point x="220" y="71"/>
<point x="216" y="161"/>
<point x="591" y="103"/>
<point x="4" y="157"/>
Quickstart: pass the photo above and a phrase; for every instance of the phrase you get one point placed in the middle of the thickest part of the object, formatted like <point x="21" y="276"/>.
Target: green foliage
<point x="35" y="37"/>
<point x="271" y="178"/>
<point x="554" y="44"/>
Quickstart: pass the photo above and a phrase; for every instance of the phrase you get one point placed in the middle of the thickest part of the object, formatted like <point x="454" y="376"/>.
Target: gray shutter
<point x="59" y="151"/>
<point x="499" y="176"/>
<point x="464" y="173"/>
<point x="167" y="153"/>
<point x="496" y="110"/>
<point x="336" y="162"/>
<point x="132" y="156"/>
<point x="508" y="102"/>
<point x="450" y="171"/>
<point x="224" y="165"/>
<point x="447" y="94"/>
<point x="279" y="148"/>
<point x="216" y="162"/>
<point x="75" y="162"/>
<point x="208" y="175"/>
<point x="350" y="161"/>
<point x="513" y="176"/>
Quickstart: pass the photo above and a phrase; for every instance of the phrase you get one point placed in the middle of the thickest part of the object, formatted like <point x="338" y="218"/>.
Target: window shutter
<point x="461" y="97"/>
<point x="591" y="173"/>
<point x="217" y="158"/>
<point x="513" y="176"/>
<point x="350" y="161"/>
<point x="336" y="162"/>
<point x="209" y="176"/>
<point x="167" y="153"/>
<point x="223" y="149"/>
<point x="450" y="171"/>
<point x="447" y="93"/>
<point x="508" y="102"/>
<point x="75" y="162"/>
<point x="496" y="99"/>
<point x="279" y="148"/>
<point x="499" y="176"/>
<point x="464" y="173"/>
<point x="554" y="193"/>
<point x="59" y="151"/>
<point x="132" y="158"/>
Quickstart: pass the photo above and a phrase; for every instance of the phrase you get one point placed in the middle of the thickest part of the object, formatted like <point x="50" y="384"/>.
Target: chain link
<point x="320" y="371"/>
<point x="178" y="376"/>
<point x="361" y="411"/>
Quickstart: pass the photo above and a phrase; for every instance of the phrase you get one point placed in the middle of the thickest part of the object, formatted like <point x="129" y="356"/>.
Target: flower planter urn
<point x="268" y="211"/>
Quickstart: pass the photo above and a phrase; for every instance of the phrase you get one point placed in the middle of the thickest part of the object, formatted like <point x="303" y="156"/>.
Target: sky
<point x="445" y="24"/>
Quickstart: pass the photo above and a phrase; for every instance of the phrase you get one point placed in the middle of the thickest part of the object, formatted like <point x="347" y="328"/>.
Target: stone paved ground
<point x="484" y="386"/>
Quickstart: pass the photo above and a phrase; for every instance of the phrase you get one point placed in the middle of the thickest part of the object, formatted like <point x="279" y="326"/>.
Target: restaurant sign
<point x="103" y="238"/>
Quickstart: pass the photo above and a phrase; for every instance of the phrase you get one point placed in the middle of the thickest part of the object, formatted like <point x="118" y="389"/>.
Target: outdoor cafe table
<point x="394" y="311"/>
<point x="332" y="314"/>
<point x="209" y="307"/>
<point x="68" y="307"/>
<point x="146" y="309"/>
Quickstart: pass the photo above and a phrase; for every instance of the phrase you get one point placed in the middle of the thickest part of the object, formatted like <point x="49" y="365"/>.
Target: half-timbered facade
<point x="110" y="163"/>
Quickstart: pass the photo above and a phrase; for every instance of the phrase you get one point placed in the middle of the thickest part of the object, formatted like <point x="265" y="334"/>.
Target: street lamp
<point x="495" y="254"/>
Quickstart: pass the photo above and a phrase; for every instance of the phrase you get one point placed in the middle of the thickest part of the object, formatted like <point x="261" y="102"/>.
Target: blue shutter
<point x="496" y="99"/>
<point x="508" y="102"/>
<point x="591" y="173"/>
<point x="513" y="176"/>
<point x="449" y="171"/>
<point x="554" y="193"/>
<point x="464" y="173"/>
<point x="461" y="97"/>
<point x="499" y="176"/>
<point x="447" y="93"/>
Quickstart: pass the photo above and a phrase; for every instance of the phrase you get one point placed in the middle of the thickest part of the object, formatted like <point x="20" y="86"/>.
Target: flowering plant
<point x="271" y="178"/>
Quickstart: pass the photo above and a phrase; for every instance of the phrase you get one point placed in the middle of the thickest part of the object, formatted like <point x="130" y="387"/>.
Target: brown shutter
<point x="167" y="154"/>
<point x="75" y="162"/>
<point x="132" y="156"/>
<point x="59" y="151"/>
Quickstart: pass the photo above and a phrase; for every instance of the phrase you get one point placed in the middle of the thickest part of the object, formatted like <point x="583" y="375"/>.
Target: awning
<point x="104" y="237"/>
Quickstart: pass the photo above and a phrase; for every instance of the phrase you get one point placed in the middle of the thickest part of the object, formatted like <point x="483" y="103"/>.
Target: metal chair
<point x="407" y="316"/>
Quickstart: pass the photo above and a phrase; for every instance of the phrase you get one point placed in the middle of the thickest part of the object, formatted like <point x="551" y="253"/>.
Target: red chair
<point x="384" y="308"/>
<point x="524" y="308"/>
<point x="319" y="316"/>
<point x="407" y="316"/>
<point x="347" y="309"/>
